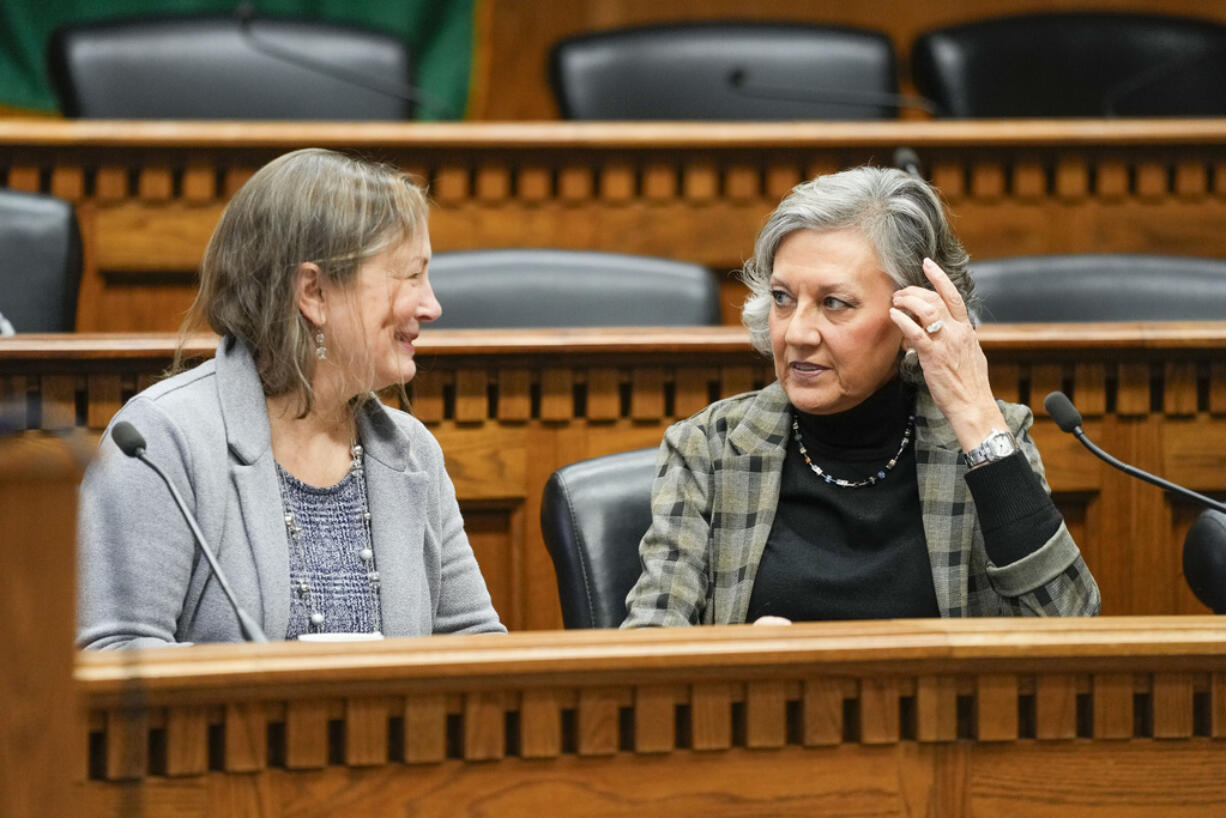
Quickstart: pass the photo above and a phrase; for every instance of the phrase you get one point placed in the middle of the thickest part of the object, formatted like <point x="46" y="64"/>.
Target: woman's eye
<point x="830" y="302"/>
<point x="779" y="297"/>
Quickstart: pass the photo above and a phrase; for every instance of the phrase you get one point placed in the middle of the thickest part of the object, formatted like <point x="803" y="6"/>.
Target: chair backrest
<point x="224" y="67"/>
<point x="1057" y="65"/>
<point x="40" y="262"/>
<point x="1094" y="287"/>
<point x="726" y="71"/>
<point x="593" y="515"/>
<point x="570" y="288"/>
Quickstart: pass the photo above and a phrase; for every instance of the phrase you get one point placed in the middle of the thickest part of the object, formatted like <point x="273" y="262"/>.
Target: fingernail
<point x="927" y="261"/>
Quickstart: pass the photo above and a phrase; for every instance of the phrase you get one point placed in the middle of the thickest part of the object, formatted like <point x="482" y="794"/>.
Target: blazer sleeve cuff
<point x="1037" y="568"/>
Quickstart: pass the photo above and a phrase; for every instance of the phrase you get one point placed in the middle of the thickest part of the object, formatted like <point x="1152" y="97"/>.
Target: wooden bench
<point x="150" y="193"/>
<point x="1118" y="715"/>
<point x="1112" y="716"/>
<point x="510" y="407"/>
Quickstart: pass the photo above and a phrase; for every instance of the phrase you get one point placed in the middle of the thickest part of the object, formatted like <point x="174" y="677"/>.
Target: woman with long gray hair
<point x="330" y="513"/>
<point x="877" y="477"/>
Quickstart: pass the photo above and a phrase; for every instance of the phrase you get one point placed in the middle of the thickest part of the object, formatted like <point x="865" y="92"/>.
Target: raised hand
<point x="955" y="368"/>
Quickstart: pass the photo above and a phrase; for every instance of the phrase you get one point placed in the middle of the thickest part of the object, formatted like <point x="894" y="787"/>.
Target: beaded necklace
<point x="871" y="480"/>
<point x="300" y="585"/>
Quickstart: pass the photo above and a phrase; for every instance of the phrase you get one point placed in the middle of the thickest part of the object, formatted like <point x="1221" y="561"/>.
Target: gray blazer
<point x="142" y="582"/>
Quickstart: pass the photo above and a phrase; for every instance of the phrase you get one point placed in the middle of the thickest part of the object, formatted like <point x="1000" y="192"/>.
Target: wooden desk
<point x="1119" y="717"/>
<point x="510" y="407"/>
<point x="150" y="193"/>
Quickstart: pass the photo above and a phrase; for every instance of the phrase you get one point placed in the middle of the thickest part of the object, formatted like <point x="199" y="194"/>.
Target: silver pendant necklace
<point x="300" y="585"/>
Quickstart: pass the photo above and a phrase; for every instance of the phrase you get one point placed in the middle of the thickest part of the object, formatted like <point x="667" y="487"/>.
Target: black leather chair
<point x="225" y="67"/>
<point x="726" y="71"/>
<point x="40" y="262"/>
<point x="1074" y="65"/>
<point x="570" y="288"/>
<point x="593" y="515"/>
<point x="1093" y="287"/>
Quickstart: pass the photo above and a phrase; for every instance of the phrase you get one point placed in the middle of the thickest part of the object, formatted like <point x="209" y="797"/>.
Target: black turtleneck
<point x="843" y="553"/>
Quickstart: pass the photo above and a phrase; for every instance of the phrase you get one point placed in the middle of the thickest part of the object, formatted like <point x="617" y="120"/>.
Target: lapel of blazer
<point x="398" y="492"/>
<point x="254" y="475"/>
<point x="748" y="496"/>
<point x="945" y="503"/>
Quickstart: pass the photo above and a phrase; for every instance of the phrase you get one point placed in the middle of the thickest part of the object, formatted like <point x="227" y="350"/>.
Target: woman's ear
<point x="309" y="293"/>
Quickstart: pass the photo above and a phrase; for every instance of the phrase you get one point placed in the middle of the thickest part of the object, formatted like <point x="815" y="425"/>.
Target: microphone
<point x="908" y="160"/>
<point x="1068" y="419"/>
<point x="1204" y="560"/>
<point x="738" y="81"/>
<point x="129" y="441"/>
<point x="132" y="443"/>
<point x="245" y="14"/>
<point x="1063" y="412"/>
<point x="1204" y="547"/>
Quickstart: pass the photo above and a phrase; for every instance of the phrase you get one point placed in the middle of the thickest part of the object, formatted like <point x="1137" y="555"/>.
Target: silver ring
<point x="934" y="327"/>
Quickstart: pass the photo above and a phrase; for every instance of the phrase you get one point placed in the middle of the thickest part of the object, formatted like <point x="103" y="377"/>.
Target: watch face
<point x="1000" y="446"/>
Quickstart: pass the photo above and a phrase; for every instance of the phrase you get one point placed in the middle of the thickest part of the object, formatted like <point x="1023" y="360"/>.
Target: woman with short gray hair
<point x="878" y="477"/>
<point x="330" y="513"/>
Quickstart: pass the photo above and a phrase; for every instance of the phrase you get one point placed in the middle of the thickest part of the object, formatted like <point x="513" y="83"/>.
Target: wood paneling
<point x="40" y="737"/>
<point x="553" y="723"/>
<point x="148" y="195"/>
<point x="1130" y="533"/>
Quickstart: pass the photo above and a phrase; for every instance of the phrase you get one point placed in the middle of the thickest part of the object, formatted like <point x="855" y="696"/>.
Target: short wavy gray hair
<point x="900" y="214"/>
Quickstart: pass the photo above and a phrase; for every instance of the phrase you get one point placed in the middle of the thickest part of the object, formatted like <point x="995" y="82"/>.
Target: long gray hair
<point x="901" y="216"/>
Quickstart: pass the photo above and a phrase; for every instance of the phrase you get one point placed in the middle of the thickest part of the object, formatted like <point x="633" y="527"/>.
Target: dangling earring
<point x="321" y="351"/>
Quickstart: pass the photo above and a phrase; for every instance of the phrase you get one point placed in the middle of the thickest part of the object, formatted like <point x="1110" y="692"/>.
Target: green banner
<point x="439" y="34"/>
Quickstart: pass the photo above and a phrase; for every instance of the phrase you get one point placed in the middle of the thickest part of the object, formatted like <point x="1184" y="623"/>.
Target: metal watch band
<point x="998" y="445"/>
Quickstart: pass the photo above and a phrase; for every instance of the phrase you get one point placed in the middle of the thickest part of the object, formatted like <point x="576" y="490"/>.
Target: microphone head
<point x="1204" y="559"/>
<point x="906" y="159"/>
<point x="129" y="441"/>
<point x="1062" y="411"/>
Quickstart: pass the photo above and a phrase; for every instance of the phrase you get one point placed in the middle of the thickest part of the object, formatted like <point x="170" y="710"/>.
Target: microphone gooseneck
<point x="1068" y="419"/>
<point x="1150" y="76"/>
<point x="245" y="14"/>
<point x="132" y="443"/>
<point x="740" y="81"/>
<point x="1204" y="547"/>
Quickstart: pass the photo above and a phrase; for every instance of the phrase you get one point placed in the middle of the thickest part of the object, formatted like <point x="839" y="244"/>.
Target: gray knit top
<point x="327" y="574"/>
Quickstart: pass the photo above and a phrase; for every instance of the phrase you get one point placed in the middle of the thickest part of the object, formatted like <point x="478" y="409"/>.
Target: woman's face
<point x="379" y="314"/>
<point x="830" y="329"/>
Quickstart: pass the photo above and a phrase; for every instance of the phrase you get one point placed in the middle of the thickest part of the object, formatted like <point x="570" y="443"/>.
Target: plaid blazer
<point x="717" y="488"/>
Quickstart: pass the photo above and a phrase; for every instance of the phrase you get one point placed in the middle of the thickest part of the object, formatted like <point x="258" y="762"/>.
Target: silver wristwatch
<point x="998" y="445"/>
